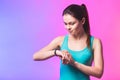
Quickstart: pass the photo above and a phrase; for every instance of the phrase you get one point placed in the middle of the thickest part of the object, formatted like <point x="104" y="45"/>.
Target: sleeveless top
<point x="84" y="56"/>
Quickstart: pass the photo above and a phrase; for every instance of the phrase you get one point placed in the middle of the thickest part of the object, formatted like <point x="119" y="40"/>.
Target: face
<point x="73" y="25"/>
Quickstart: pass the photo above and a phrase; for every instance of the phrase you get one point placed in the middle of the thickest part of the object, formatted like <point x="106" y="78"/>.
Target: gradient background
<point x="28" y="25"/>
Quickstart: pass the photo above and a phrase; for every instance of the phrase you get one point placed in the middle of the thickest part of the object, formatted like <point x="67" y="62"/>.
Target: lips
<point x="70" y="31"/>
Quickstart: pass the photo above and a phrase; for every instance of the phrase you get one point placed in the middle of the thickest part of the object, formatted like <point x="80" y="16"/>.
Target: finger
<point x="65" y="62"/>
<point x="65" y="51"/>
<point x="65" y="57"/>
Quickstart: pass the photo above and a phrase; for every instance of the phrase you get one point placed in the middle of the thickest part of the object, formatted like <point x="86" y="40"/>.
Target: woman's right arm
<point x="48" y="51"/>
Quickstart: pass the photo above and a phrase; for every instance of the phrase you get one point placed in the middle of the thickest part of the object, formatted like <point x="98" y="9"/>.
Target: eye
<point x="72" y="23"/>
<point x="65" y="23"/>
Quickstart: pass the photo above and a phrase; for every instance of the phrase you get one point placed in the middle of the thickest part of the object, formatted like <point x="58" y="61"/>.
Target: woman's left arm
<point x="98" y="68"/>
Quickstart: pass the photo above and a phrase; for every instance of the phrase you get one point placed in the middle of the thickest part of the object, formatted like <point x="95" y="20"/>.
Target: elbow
<point x="99" y="74"/>
<point x="35" y="57"/>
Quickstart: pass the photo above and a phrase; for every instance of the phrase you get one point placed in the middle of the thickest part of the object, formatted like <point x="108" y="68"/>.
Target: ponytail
<point x="86" y="25"/>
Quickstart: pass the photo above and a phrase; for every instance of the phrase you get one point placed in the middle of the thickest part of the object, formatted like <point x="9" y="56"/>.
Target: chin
<point x="72" y="34"/>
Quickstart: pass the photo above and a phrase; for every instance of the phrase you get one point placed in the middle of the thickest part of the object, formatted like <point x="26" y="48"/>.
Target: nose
<point x="68" y="27"/>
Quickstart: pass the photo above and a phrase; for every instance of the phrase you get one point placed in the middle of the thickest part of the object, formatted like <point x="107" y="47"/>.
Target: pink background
<point x="28" y="25"/>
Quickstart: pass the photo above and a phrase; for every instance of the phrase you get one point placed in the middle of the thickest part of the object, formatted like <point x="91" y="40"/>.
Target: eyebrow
<point x="69" y="22"/>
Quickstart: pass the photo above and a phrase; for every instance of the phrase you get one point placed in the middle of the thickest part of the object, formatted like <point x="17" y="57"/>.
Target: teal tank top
<point x="85" y="56"/>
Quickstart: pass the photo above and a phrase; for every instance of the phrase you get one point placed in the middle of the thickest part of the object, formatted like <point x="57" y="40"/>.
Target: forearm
<point x="42" y="55"/>
<point x="89" y="70"/>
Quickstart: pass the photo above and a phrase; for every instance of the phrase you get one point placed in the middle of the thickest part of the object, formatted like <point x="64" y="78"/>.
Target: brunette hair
<point x="80" y="11"/>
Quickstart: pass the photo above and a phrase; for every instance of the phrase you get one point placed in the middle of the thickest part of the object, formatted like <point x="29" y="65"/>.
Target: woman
<point x="76" y="50"/>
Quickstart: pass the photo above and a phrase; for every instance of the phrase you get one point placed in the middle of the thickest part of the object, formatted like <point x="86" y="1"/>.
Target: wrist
<point x="74" y="63"/>
<point x="55" y="52"/>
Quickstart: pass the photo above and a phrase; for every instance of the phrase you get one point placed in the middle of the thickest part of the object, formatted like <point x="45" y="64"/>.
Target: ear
<point x="83" y="20"/>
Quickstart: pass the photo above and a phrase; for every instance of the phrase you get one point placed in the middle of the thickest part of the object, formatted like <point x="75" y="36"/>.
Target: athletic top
<point x="84" y="56"/>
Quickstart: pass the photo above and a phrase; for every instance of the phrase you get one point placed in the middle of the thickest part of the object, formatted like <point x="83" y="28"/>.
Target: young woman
<point x="77" y="49"/>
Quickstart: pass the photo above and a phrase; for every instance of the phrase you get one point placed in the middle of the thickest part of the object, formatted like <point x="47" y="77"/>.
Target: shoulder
<point x="97" y="42"/>
<point x="58" y="40"/>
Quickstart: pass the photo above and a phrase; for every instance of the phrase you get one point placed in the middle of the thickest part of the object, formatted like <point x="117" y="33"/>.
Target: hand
<point x="67" y="58"/>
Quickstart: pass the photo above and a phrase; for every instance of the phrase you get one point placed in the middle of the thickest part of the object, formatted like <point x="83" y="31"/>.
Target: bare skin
<point x="74" y="28"/>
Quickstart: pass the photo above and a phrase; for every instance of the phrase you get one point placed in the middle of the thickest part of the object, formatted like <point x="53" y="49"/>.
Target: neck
<point x="78" y="36"/>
